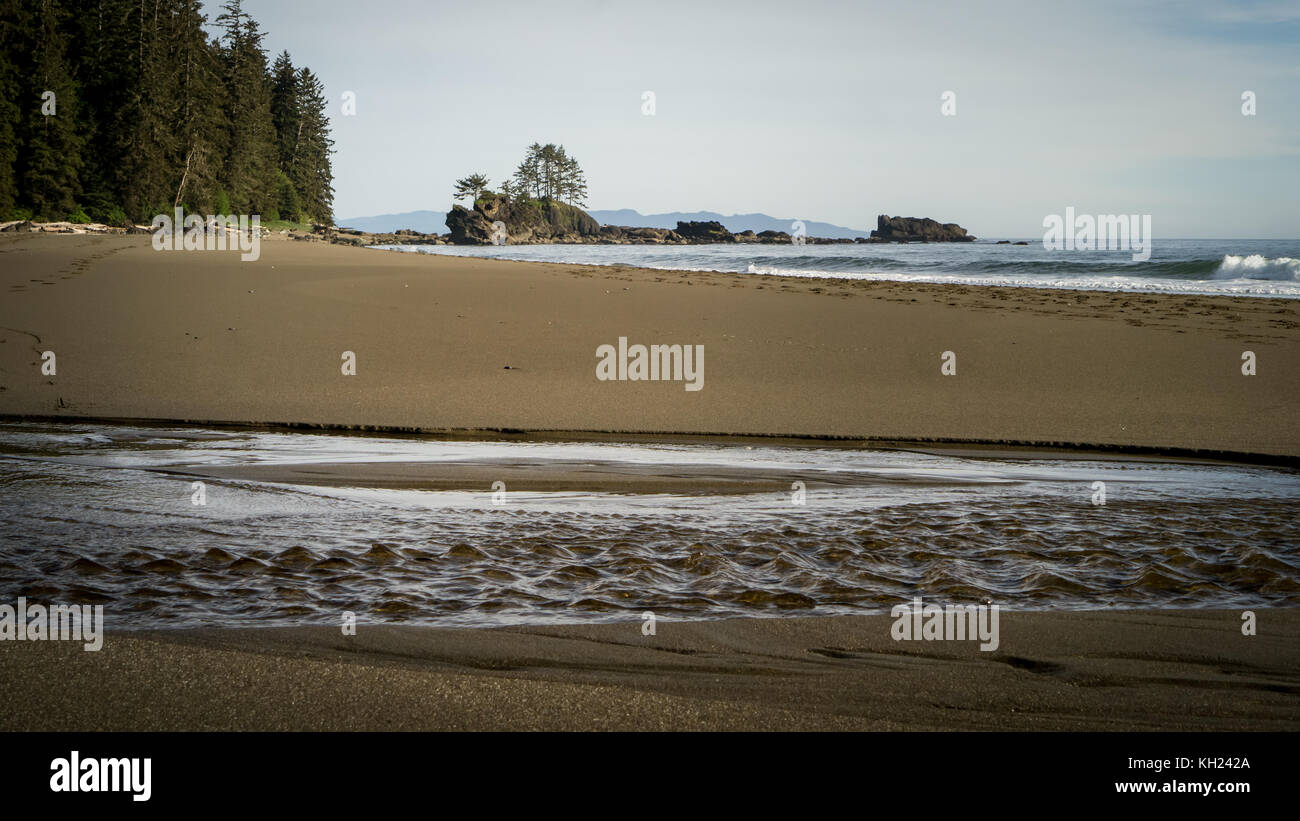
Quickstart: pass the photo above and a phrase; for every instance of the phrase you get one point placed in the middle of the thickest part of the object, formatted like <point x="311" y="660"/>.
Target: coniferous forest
<point x="116" y="110"/>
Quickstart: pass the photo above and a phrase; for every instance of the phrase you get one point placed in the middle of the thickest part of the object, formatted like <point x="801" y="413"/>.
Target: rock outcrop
<point x="914" y="229"/>
<point x="712" y="231"/>
<point x="552" y="222"/>
<point x="524" y="222"/>
<point x="496" y="219"/>
<point x="619" y="235"/>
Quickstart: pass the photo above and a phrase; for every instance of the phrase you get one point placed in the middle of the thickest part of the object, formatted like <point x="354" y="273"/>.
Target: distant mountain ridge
<point x="426" y="222"/>
<point x="734" y="223"/>
<point x="435" y="222"/>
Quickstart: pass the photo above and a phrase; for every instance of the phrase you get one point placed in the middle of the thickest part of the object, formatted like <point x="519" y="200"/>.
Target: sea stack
<point x="917" y="229"/>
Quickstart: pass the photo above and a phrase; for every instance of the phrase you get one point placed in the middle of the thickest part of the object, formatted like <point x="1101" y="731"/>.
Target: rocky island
<point x="913" y="229"/>
<point x="545" y="221"/>
<point x="542" y="203"/>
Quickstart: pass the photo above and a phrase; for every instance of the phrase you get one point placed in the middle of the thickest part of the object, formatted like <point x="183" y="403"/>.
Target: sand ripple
<point x="476" y="567"/>
<point x="256" y="553"/>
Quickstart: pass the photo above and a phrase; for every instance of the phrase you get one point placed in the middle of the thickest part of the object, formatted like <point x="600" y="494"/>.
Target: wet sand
<point x="551" y="476"/>
<point x="460" y="344"/>
<point x="1118" y="670"/>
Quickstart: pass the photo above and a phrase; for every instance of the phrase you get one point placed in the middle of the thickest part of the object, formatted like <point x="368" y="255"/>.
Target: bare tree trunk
<point x="184" y="175"/>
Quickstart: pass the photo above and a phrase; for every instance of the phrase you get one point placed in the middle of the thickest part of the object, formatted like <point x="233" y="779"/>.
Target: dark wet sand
<point x="548" y="476"/>
<point x="1118" y="670"/>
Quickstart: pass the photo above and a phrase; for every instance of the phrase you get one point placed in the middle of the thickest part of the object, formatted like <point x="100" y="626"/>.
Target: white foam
<point x="1240" y="286"/>
<point x="1257" y="266"/>
<point x="1249" y="275"/>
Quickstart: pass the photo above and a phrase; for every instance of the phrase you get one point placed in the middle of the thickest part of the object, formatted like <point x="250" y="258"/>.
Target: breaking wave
<point x="1257" y="266"/>
<point x="1268" y="268"/>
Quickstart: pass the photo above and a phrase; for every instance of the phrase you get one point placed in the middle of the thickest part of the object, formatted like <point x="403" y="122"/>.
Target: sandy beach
<point x="492" y="349"/>
<point x="473" y="345"/>
<point x="1093" y="671"/>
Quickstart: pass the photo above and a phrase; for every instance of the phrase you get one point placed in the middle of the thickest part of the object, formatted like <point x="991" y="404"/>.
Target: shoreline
<point x="969" y="448"/>
<point x="936" y="279"/>
<point x="1075" y="670"/>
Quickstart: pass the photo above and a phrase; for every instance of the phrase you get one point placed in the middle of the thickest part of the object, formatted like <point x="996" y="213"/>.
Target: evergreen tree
<point x="102" y="50"/>
<point x="49" y="172"/>
<point x="251" y="152"/>
<point x="11" y="51"/>
<point x="287" y="201"/>
<point x="174" y="117"/>
<point x="549" y="173"/>
<point x="573" y="183"/>
<point x="528" y="176"/>
<point x="284" y="109"/>
<point x="471" y="187"/>
<point x="201" y="124"/>
<point x="150" y="141"/>
<point x="310" y="170"/>
<point x="552" y="159"/>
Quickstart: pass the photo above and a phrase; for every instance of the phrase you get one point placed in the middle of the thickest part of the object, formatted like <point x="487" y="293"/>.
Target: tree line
<point x="547" y="173"/>
<point x="117" y="110"/>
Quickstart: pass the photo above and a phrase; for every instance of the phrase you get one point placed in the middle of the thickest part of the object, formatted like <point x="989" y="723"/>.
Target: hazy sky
<point x="823" y="110"/>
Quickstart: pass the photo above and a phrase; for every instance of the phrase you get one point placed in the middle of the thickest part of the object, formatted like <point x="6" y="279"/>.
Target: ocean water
<point x="1184" y="266"/>
<point x="105" y="514"/>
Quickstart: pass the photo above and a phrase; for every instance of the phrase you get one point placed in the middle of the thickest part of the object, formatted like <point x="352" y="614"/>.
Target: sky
<point x="827" y="111"/>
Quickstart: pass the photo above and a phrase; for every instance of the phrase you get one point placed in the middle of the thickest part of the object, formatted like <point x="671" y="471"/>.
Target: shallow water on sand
<point x="105" y="514"/>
